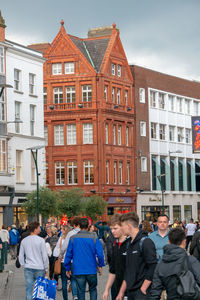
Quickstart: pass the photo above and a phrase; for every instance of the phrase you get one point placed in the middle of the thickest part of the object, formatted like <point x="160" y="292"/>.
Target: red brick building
<point x="89" y="116"/>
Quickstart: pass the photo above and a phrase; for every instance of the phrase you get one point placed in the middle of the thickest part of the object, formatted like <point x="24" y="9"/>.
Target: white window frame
<point x="114" y="134"/>
<point x="162" y="132"/>
<point x="106" y="93"/>
<point x="3" y="155"/>
<point x="119" y="135"/>
<point x="120" y="172"/>
<point x="107" y="172"/>
<point x="113" y="69"/>
<point x="187" y="106"/>
<point x="126" y="97"/>
<point x="142" y="128"/>
<point x="45" y="95"/>
<point x="127" y="136"/>
<point x="17" y="116"/>
<point x="171" y="133"/>
<point x="46" y="135"/>
<point x="60" y="166"/>
<point x="153" y="130"/>
<point x="115" y="172"/>
<point x="58" y="135"/>
<point x="142" y="95"/>
<point x="32" y="84"/>
<point x="2" y="107"/>
<point x="71" y="134"/>
<point x="106" y="133"/>
<point x="69" y="68"/>
<point x="179" y="101"/>
<point x="72" y="165"/>
<point x="58" y="95"/>
<point x="90" y="165"/>
<point x="19" y="166"/>
<point x="128" y="172"/>
<point x="171" y="101"/>
<point x="195" y="108"/>
<point x="161" y="100"/>
<point x="87" y="133"/>
<point x="17" y="80"/>
<point x="153" y="99"/>
<point x="32" y="120"/>
<point x="180" y="136"/>
<point x="188" y="136"/>
<point x="118" y="96"/>
<point x="143" y="164"/>
<point x="119" y="70"/>
<point x="113" y="94"/>
<point x="70" y="92"/>
<point x="87" y="93"/>
<point x="56" y="68"/>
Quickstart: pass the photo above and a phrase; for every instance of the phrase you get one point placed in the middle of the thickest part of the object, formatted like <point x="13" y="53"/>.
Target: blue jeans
<point x="81" y="285"/>
<point x="64" y="282"/>
<point x="30" y="276"/>
<point x="74" y="286"/>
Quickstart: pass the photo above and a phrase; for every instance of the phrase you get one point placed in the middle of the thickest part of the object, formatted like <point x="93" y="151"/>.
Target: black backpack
<point x="187" y="287"/>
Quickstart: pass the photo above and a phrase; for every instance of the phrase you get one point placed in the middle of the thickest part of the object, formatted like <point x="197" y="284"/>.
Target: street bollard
<point x="1" y="260"/>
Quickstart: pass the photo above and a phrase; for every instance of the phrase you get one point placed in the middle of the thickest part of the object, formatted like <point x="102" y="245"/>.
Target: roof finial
<point x="114" y="25"/>
<point x="62" y="22"/>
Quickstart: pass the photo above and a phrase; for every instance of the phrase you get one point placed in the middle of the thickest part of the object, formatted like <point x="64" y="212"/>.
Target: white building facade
<point x="24" y="128"/>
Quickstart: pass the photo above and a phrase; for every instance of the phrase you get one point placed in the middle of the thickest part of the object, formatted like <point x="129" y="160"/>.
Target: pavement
<point x="12" y="283"/>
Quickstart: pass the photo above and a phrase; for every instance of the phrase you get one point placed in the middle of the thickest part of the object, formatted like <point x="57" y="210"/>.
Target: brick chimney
<point x="2" y="28"/>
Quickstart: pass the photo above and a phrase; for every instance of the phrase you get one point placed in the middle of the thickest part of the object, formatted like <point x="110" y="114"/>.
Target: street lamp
<point x="34" y="152"/>
<point x="162" y="190"/>
<point x="3" y="86"/>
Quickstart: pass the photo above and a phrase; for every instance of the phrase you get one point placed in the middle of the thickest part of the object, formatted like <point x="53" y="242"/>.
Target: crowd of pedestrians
<point x="145" y="260"/>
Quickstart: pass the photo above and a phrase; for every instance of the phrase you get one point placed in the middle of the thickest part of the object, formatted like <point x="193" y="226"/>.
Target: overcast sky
<point x="163" y="35"/>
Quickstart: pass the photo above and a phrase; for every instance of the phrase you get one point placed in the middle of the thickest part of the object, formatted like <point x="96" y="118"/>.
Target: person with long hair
<point x="57" y="253"/>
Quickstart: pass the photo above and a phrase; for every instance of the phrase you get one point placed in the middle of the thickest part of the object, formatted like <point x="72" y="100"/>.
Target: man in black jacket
<point x="165" y="276"/>
<point x="118" y="259"/>
<point x="140" y="260"/>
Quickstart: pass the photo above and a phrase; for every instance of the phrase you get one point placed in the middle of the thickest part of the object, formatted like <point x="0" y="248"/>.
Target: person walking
<point x="195" y="245"/>
<point x="140" y="260"/>
<point x="14" y="239"/>
<point x="190" y="231"/>
<point x="118" y="258"/>
<point x="160" y="236"/>
<point x="33" y="257"/>
<point x="84" y="249"/>
<point x="173" y="261"/>
<point x="57" y="254"/>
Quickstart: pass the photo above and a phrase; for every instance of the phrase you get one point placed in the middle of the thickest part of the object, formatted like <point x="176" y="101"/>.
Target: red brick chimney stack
<point x="2" y="28"/>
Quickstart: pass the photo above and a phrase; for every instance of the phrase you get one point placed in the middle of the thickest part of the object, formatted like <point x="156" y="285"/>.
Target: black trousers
<point x="188" y="240"/>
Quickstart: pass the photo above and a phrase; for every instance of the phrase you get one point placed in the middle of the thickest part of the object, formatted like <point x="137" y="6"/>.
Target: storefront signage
<point x="120" y="200"/>
<point x="154" y="199"/>
<point x="196" y="134"/>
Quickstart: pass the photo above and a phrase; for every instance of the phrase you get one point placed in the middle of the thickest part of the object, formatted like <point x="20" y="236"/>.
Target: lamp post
<point x="162" y="190"/>
<point x="34" y="152"/>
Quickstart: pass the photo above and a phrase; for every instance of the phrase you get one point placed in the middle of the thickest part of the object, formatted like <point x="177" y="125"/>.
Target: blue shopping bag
<point x="44" y="289"/>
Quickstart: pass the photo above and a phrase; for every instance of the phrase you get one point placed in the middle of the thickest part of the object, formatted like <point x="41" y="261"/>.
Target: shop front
<point x="120" y="205"/>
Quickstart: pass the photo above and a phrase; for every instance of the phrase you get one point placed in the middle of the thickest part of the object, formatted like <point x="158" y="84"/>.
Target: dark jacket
<point x="101" y="229"/>
<point x="109" y="242"/>
<point x="165" y="274"/>
<point x="118" y="262"/>
<point x="195" y="245"/>
<point x="140" y="262"/>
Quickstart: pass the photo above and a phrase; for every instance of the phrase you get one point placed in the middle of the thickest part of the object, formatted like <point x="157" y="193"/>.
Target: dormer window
<point x="69" y="68"/>
<point x="113" y="69"/>
<point x="57" y="69"/>
<point x="119" y="71"/>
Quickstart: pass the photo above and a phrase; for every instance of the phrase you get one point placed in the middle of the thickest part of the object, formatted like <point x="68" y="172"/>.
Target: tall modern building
<point x="166" y="166"/>
<point x="21" y="126"/>
<point x="89" y="116"/>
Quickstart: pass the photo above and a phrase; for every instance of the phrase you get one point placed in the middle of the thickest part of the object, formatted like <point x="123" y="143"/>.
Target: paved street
<point x="12" y="284"/>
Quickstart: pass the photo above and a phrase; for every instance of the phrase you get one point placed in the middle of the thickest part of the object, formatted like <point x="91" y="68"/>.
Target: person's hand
<point x="120" y="296"/>
<point x="143" y="290"/>
<point x="47" y="274"/>
<point x="105" y="295"/>
<point x="68" y="273"/>
<point x="1" y="246"/>
<point x="99" y="269"/>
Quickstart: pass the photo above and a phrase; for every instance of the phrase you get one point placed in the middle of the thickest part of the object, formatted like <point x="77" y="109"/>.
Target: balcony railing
<point x="67" y="106"/>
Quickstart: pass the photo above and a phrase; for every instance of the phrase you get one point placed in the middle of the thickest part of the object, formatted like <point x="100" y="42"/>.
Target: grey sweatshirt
<point x="33" y="253"/>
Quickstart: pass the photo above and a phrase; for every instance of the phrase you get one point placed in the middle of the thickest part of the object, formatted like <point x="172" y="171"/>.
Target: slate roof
<point x="93" y="49"/>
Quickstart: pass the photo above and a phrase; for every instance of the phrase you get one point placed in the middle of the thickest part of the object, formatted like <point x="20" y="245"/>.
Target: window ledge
<point x="20" y="182"/>
<point x="88" y="183"/>
<point x="18" y="92"/>
<point x="34" y="96"/>
<point x="33" y="183"/>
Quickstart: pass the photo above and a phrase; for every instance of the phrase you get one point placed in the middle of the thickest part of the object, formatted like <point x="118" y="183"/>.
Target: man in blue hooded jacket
<point x="13" y="239"/>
